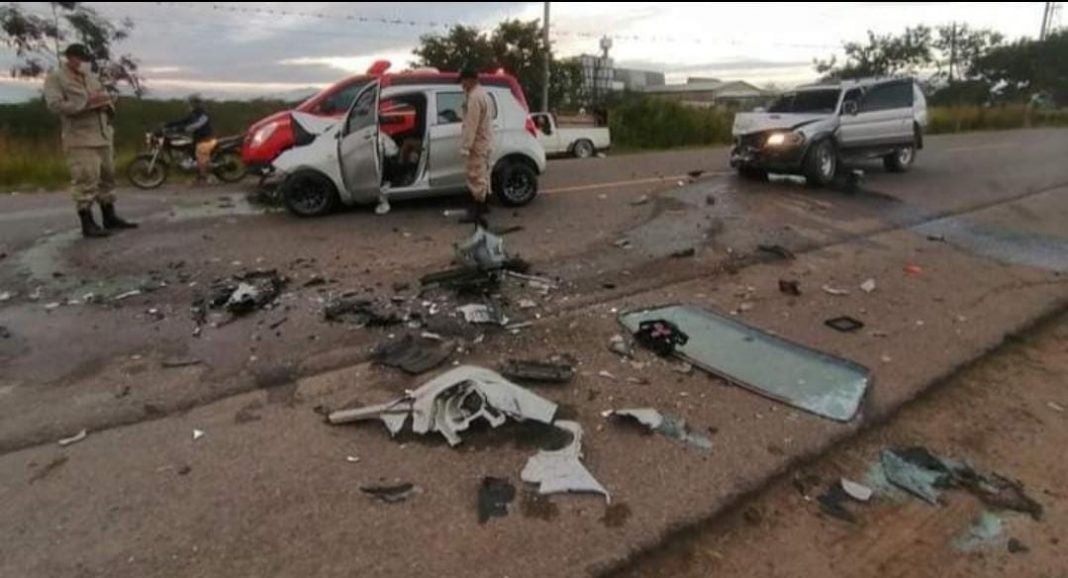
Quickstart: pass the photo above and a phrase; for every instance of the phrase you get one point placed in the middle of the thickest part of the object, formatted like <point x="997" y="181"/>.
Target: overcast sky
<point x="185" y="47"/>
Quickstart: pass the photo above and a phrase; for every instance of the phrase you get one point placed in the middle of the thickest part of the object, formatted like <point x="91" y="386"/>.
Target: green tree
<point x="959" y="47"/>
<point x="36" y="41"/>
<point x="566" y="87"/>
<point x="882" y="55"/>
<point x="1028" y="67"/>
<point x="460" y="46"/>
<point x="515" y="46"/>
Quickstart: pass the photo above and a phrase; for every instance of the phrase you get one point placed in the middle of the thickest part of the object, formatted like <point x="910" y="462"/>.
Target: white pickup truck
<point x="579" y="141"/>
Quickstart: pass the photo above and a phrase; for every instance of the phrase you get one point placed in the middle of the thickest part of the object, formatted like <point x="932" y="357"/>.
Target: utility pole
<point x="1045" y="21"/>
<point x="547" y="61"/>
<point x="1049" y="19"/>
<point x="952" y="51"/>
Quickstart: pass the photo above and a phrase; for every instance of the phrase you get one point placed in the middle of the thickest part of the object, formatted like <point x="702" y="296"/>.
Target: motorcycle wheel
<point x="146" y="175"/>
<point x="228" y="167"/>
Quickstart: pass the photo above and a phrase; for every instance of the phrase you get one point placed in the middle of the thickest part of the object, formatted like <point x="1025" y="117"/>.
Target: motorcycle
<point x="167" y="150"/>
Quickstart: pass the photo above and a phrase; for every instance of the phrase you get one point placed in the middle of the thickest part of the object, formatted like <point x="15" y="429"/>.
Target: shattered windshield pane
<point x="807" y="101"/>
<point x="769" y="365"/>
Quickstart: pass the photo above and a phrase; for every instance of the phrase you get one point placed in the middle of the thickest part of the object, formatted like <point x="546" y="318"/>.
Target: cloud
<point x="192" y="46"/>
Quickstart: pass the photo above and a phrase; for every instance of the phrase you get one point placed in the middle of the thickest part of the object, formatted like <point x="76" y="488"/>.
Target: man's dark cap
<point x="79" y="51"/>
<point x="468" y="72"/>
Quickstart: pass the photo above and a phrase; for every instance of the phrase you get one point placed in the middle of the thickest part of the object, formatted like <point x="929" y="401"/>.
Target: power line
<point x="433" y="24"/>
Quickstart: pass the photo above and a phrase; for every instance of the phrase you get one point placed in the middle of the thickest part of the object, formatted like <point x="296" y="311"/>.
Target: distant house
<point x="711" y="92"/>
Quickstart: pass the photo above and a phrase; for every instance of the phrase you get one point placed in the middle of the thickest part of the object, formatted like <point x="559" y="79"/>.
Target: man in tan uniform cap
<point x="75" y="93"/>
<point x="477" y="141"/>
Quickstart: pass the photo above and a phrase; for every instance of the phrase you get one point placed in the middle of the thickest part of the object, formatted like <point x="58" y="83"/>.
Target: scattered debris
<point x="695" y="174"/>
<point x="539" y="371"/>
<point x="642" y="200"/>
<point x="248" y="292"/>
<point x="684" y="254"/>
<point x="542" y="284"/>
<point x="858" y="492"/>
<point x="845" y="324"/>
<point x="527" y="304"/>
<point x="179" y="362"/>
<point x="352" y="459"/>
<point x="778" y="251"/>
<point x="924" y="475"/>
<point x="835" y="291"/>
<point x="278" y="323"/>
<point x="624" y="244"/>
<point x="1017" y="547"/>
<point x="494" y="496"/>
<point x="483" y="314"/>
<point x="47" y="469"/>
<point x="361" y="312"/>
<point x="561" y="471"/>
<point x="660" y="336"/>
<point x="756" y="360"/>
<point x="502" y="231"/>
<point x="984" y="530"/>
<point x="484" y="251"/>
<point x="664" y="424"/>
<point x="620" y="346"/>
<point x="315" y="281"/>
<point x="710" y="200"/>
<point x="184" y="470"/>
<point x="683" y="368"/>
<point x="391" y="494"/>
<point x="126" y="295"/>
<point x="936" y="238"/>
<point x="197" y="434"/>
<point x="52" y="306"/>
<point x="746" y="307"/>
<point x="913" y="270"/>
<point x="832" y="503"/>
<point x="414" y="355"/>
<point x="451" y="402"/>
<point x="6" y="296"/>
<point x="868" y="286"/>
<point x="1055" y="407"/>
<point x="74" y="438"/>
<point x="790" y="287"/>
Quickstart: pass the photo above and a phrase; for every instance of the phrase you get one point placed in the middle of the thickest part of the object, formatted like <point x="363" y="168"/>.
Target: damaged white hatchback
<point x="355" y="162"/>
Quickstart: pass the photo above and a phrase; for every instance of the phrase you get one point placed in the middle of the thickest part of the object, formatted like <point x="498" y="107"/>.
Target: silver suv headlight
<point x="784" y="139"/>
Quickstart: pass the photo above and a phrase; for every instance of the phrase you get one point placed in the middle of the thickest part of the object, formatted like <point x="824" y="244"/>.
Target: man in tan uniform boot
<point x="477" y="140"/>
<point x="74" y="92"/>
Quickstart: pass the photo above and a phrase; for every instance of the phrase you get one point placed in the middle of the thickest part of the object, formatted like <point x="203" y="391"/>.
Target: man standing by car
<point x="75" y="93"/>
<point x="477" y="139"/>
<point x="198" y="125"/>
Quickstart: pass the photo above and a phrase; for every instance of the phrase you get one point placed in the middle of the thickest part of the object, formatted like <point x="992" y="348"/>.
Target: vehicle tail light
<point x="531" y="127"/>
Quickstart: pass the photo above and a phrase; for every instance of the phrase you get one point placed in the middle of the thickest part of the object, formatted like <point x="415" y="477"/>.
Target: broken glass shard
<point x="763" y="363"/>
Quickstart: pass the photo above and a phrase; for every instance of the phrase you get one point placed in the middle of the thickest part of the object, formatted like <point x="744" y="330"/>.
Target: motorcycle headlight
<point x="784" y="139"/>
<point x="264" y="133"/>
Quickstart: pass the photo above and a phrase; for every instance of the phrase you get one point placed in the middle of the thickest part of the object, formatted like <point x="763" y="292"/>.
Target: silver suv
<point x="354" y="160"/>
<point x="816" y="129"/>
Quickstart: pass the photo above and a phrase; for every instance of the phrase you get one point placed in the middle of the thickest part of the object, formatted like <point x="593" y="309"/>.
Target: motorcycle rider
<point x="198" y="125"/>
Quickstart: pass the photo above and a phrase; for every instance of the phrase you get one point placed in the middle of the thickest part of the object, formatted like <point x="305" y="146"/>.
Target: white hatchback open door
<point x="358" y="151"/>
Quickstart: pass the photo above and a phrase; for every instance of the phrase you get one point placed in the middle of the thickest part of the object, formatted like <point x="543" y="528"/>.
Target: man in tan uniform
<point x="477" y="141"/>
<point x="75" y="93"/>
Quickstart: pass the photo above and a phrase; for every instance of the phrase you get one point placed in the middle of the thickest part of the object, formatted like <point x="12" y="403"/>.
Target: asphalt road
<point x="979" y="223"/>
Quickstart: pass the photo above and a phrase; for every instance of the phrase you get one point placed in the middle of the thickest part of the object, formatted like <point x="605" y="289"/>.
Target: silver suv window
<point x="807" y="101"/>
<point x="889" y="96"/>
